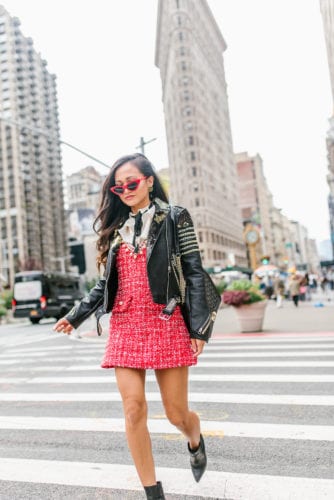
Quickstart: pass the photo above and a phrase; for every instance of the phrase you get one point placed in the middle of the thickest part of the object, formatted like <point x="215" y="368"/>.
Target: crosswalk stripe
<point x="274" y="340"/>
<point x="162" y="426"/>
<point x="194" y="377"/>
<point x="206" y="354"/>
<point x="201" y="364"/>
<point x="268" y="347"/>
<point x="273" y="335"/>
<point x="66" y="348"/>
<point x="42" y="354"/>
<point x="27" y="340"/>
<point x="263" y="364"/>
<point x="73" y="359"/>
<point x="194" y="397"/>
<point x="223" y="344"/>
<point x="275" y="354"/>
<point x="176" y="481"/>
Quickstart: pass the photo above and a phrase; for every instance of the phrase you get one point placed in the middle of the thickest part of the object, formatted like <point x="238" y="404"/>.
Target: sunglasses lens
<point x="133" y="185"/>
<point x="117" y="189"/>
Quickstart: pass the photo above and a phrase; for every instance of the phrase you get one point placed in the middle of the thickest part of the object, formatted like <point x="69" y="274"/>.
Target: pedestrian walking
<point x="294" y="287"/>
<point x="279" y="289"/>
<point x="269" y="286"/>
<point x="148" y="328"/>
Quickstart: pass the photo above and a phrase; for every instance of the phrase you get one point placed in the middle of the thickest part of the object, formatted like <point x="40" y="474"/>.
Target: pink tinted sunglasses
<point x="130" y="186"/>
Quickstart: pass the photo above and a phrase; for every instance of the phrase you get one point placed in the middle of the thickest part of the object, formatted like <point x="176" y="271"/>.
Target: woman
<point x="147" y="329"/>
<point x="294" y="288"/>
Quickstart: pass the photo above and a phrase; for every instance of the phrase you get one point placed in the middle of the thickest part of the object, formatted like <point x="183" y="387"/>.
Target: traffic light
<point x="78" y="256"/>
<point x="265" y="259"/>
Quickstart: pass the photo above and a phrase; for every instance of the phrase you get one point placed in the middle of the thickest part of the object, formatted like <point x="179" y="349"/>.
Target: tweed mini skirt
<point x="138" y="337"/>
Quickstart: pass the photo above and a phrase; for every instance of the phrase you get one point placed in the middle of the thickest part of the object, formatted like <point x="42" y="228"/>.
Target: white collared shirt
<point x="127" y="230"/>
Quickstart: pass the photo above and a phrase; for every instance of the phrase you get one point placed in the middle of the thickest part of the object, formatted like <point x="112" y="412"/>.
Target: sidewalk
<point x="302" y="319"/>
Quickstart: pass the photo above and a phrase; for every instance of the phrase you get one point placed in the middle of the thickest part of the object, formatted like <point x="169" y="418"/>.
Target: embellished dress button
<point x="121" y="302"/>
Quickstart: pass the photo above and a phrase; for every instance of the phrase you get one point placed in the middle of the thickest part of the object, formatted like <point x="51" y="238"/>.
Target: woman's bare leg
<point x="131" y="384"/>
<point x="173" y="383"/>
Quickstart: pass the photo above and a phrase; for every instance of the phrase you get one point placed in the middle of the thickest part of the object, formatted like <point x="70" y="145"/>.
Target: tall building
<point x="256" y="201"/>
<point x="84" y="188"/>
<point x="203" y="177"/>
<point x="327" y="11"/>
<point x="32" y="219"/>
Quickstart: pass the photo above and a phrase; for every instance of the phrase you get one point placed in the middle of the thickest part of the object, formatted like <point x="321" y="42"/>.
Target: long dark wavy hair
<point x="112" y="211"/>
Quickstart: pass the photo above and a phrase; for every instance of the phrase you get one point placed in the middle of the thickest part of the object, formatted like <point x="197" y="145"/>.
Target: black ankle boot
<point x="198" y="460"/>
<point x="154" y="492"/>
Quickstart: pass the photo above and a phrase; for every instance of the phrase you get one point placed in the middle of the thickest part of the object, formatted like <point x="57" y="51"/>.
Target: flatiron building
<point x="203" y="175"/>
<point x="327" y="11"/>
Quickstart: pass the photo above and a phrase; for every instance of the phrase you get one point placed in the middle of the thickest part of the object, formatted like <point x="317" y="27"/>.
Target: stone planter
<point x="251" y="316"/>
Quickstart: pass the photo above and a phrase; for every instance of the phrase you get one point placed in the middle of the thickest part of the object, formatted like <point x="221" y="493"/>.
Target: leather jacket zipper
<point x="206" y="325"/>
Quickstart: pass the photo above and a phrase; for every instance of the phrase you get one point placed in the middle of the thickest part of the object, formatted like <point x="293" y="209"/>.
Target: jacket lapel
<point x="161" y="211"/>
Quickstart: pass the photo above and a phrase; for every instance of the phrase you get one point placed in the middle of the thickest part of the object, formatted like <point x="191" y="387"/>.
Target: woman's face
<point x="138" y="198"/>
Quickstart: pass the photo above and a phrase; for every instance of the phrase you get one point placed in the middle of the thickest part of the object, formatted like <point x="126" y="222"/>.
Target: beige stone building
<point x="189" y="54"/>
<point x="32" y="220"/>
<point x="283" y="246"/>
<point x="84" y="188"/>
<point x="327" y="11"/>
<point x="256" y="201"/>
<point x="293" y="249"/>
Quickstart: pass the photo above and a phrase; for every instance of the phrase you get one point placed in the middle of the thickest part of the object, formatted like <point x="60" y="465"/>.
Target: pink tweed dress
<point x="138" y="337"/>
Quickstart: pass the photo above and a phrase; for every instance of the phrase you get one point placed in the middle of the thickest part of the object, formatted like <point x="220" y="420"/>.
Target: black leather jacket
<point x="162" y="281"/>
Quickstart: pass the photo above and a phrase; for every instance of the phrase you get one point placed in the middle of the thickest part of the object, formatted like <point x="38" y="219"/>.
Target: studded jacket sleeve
<point x="193" y="274"/>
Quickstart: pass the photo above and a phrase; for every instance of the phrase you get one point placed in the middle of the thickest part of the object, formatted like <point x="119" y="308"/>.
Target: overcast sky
<point x="110" y="91"/>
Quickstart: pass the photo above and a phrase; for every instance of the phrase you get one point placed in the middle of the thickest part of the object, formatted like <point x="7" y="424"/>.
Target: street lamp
<point x="39" y="131"/>
<point x="142" y="144"/>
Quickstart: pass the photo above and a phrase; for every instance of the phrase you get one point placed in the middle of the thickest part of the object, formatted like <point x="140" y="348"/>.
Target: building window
<point x="183" y="66"/>
<point x="196" y="202"/>
<point x="200" y="237"/>
<point x="181" y="38"/>
<point x="191" y="140"/>
<point x="192" y="155"/>
<point x="194" y="171"/>
<point x="187" y="111"/>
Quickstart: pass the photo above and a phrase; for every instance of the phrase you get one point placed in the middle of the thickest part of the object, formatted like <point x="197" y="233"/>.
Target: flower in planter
<point x="241" y="292"/>
<point x="236" y="297"/>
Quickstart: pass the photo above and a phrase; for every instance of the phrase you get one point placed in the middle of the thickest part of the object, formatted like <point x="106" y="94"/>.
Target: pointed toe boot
<point x="154" y="492"/>
<point x="198" y="460"/>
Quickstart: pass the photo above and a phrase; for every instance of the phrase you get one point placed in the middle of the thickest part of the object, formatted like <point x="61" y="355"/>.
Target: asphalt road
<point x="266" y="404"/>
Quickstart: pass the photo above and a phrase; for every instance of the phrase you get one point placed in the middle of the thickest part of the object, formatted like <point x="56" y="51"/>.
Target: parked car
<point x="38" y="294"/>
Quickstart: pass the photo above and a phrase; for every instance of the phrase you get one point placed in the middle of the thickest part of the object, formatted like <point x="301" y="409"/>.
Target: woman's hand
<point x="197" y="346"/>
<point x="63" y="326"/>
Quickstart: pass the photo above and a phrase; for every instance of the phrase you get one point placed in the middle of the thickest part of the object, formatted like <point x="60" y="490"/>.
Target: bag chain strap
<point x="176" y="259"/>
